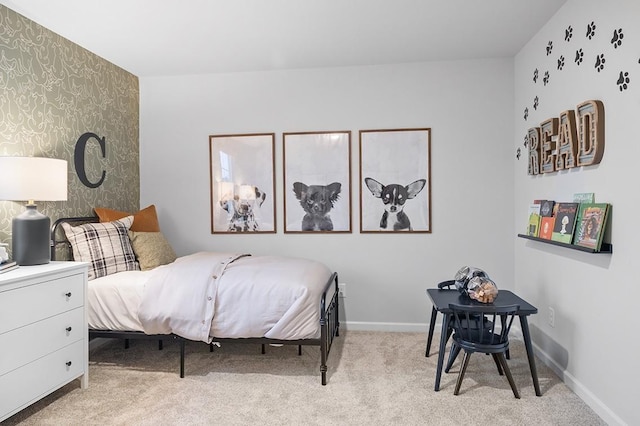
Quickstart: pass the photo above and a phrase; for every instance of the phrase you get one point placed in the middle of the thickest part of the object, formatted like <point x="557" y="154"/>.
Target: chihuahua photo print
<point x="317" y="176"/>
<point x="395" y="180"/>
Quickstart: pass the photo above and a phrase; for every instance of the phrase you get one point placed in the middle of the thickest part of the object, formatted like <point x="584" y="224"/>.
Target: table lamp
<point x="247" y="192"/>
<point x="227" y="190"/>
<point x="29" y="179"/>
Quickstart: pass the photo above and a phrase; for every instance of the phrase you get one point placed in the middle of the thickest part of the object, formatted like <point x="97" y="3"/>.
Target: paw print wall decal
<point x="568" y="33"/>
<point x="582" y="55"/>
<point x="518" y="153"/>
<point x="616" y="40"/>
<point x="591" y="30"/>
<point x="623" y="81"/>
<point x="600" y="62"/>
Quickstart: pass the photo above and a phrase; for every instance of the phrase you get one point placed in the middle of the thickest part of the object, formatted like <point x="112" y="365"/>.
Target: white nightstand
<point x="43" y="332"/>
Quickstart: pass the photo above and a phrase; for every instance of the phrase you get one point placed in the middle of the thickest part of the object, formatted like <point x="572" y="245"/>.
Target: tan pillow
<point x="146" y="220"/>
<point x="152" y="249"/>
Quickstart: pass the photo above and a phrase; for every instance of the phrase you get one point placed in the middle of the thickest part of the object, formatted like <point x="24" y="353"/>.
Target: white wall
<point x="595" y="296"/>
<point x="467" y="104"/>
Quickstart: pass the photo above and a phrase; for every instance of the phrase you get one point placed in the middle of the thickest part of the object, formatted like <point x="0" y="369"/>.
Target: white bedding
<point x="225" y="296"/>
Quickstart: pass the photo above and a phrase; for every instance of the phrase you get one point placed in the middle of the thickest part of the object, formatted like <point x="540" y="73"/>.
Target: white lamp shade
<point x="227" y="190"/>
<point x="247" y="192"/>
<point x="33" y="178"/>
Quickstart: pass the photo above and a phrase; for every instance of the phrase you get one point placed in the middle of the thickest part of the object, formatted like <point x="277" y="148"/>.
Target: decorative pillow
<point x="152" y="249"/>
<point x="106" y="246"/>
<point x="146" y="220"/>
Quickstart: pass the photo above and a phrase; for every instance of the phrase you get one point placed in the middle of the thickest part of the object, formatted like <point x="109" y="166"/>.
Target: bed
<point x="205" y="296"/>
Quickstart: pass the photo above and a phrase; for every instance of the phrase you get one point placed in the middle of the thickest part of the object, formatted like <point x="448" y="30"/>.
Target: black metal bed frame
<point x="329" y="311"/>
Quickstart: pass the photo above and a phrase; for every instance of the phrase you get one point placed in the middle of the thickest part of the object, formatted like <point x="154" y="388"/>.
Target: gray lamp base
<point x="31" y="237"/>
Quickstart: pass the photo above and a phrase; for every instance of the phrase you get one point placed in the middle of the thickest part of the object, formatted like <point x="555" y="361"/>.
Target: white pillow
<point x="106" y="246"/>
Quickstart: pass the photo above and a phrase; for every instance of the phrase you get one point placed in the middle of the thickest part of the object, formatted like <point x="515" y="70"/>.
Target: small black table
<point x="441" y="300"/>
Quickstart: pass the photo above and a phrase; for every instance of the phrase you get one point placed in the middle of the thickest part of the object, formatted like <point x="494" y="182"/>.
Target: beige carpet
<point x="377" y="378"/>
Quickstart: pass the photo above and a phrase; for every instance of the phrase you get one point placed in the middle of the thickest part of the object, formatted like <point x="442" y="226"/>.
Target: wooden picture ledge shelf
<point x="605" y="249"/>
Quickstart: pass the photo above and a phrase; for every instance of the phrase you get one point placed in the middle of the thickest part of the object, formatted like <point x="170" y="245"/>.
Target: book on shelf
<point x="8" y="265"/>
<point x="584" y="197"/>
<point x="590" y="225"/>
<point x="534" y="220"/>
<point x="546" y="208"/>
<point x="564" y="225"/>
<point x="546" y="227"/>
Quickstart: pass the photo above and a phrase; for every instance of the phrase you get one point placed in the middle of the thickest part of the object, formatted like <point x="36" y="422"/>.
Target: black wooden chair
<point x="448" y="285"/>
<point x="492" y="340"/>
<point x="434" y="313"/>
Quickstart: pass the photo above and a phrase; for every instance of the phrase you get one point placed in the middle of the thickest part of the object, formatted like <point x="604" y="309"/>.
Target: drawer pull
<point x="68" y="329"/>
<point x="68" y="294"/>
<point x="68" y="363"/>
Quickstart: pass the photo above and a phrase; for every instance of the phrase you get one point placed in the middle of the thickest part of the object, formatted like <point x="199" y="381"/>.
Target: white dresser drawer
<point x="47" y="298"/>
<point x="25" y="344"/>
<point x="29" y="383"/>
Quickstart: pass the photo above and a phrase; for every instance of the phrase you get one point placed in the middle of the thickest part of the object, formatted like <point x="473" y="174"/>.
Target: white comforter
<point x="210" y="295"/>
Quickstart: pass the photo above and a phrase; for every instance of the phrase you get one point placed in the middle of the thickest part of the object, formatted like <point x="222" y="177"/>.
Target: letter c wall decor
<point x="79" y="158"/>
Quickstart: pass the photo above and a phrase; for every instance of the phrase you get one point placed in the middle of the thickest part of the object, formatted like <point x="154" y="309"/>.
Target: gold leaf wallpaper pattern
<point x="51" y="92"/>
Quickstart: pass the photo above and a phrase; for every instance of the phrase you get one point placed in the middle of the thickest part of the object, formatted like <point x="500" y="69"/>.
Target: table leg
<point x="443" y="344"/>
<point x="524" y="324"/>
<point x="432" y="325"/>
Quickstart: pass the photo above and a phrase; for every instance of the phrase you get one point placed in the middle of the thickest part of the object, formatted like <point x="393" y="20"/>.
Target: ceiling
<point x="176" y="37"/>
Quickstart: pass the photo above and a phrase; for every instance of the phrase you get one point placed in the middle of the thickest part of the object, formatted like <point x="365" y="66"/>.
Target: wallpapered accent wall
<point x="53" y="91"/>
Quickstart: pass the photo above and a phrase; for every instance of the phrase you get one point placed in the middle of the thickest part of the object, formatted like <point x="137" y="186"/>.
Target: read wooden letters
<point x="563" y="143"/>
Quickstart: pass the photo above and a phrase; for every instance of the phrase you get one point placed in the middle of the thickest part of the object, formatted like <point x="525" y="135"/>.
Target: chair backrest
<point x="479" y="323"/>
<point x="447" y="284"/>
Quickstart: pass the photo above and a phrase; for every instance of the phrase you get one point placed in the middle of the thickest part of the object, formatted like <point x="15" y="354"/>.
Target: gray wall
<point x="51" y="92"/>
<point x="467" y="104"/>
<point x="594" y="297"/>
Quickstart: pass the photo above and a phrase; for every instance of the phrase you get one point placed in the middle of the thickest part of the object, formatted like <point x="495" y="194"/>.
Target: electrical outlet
<point x="552" y="317"/>
<point x="342" y="290"/>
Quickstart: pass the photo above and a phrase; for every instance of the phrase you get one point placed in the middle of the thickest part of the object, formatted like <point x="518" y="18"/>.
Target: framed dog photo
<point x="242" y="183"/>
<point x="395" y="180"/>
<point x="317" y="182"/>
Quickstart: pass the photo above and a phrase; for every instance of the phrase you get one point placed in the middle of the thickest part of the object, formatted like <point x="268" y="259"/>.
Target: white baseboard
<point x="576" y="386"/>
<point x="384" y="326"/>
<point x="579" y="389"/>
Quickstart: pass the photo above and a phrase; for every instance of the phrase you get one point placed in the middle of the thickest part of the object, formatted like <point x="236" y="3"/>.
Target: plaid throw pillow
<point x="106" y="246"/>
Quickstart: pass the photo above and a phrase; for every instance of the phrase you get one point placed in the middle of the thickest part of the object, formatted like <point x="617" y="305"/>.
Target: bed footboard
<point x="329" y="322"/>
<point x="329" y="328"/>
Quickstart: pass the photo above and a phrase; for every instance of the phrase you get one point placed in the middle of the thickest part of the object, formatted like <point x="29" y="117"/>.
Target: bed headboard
<point x="60" y="247"/>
